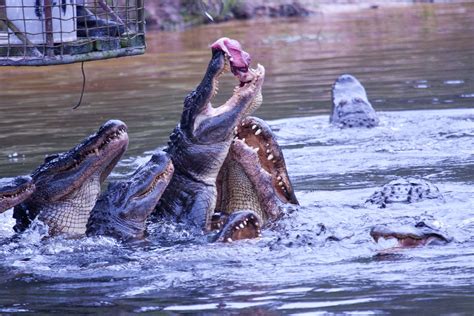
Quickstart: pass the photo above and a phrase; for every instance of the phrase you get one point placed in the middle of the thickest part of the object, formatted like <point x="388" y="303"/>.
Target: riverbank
<point x="180" y="14"/>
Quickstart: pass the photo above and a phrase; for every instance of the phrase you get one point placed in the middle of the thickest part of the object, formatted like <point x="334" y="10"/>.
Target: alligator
<point x="253" y="185"/>
<point x="13" y="191"/>
<point x="420" y="234"/>
<point x="200" y="143"/>
<point x="403" y="190"/>
<point x="350" y="106"/>
<point x="122" y="210"/>
<point x="68" y="184"/>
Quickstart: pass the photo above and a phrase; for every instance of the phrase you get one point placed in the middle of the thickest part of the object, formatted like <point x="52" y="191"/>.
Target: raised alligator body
<point x="122" y="210"/>
<point x="13" y="191"/>
<point x="350" y="106"/>
<point x="200" y="143"/>
<point x="68" y="184"/>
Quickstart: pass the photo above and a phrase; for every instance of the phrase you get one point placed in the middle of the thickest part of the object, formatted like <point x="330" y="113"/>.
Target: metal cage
<point x="51" y="32"/>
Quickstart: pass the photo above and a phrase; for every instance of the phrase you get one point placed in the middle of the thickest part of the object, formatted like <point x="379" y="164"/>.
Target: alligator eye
<point x="420" y="225"/>
<point x="50" y="157"/>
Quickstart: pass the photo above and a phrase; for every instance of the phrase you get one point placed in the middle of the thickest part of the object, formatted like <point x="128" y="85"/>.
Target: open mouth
<point x="162" y="178"/>
<point x="246" y="94"/>
<point x="408" y="236"/>
<point x="250" y="85"/>
<point x="256" y="136"/>
<point x="241" y="225"/>
<point x="404" y="241"/>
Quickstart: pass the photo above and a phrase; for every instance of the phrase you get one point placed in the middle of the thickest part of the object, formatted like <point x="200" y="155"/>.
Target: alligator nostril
<point x="420" y="224"/>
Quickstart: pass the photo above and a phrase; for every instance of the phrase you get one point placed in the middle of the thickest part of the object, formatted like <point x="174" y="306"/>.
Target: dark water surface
<point x="417" y="64"/>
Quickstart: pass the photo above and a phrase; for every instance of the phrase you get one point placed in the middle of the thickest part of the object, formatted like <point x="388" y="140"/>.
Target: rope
<point x="83" y="86"/>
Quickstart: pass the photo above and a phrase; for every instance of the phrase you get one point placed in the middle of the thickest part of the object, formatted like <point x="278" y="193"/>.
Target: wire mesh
<point x="48" y="32"/>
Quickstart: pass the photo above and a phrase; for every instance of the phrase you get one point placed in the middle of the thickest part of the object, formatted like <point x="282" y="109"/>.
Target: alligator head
<point x="350" y="106"/>
<point x="199" y="144"/>
<point x="13" y="191"/>
<point x="122" y="210"/>
<point x="253" y="184"/>
<point x="410" y="236"/>
<point x="68" y="184"/>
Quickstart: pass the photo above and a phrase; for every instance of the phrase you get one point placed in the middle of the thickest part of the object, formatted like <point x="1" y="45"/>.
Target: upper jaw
<point x="153" y="182"/>
<point x="12" y="186"/>
<point x="96" y="154"/>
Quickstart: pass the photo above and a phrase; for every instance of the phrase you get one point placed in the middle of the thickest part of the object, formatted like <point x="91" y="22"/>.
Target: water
<point x="419" y="78"/>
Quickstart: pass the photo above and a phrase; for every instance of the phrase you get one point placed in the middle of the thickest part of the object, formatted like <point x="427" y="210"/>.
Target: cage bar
<point x="52" y="32"/>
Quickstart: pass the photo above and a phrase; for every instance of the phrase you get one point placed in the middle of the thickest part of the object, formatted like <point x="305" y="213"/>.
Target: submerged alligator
<point x="68" y="184"/>
<point x="122" y="210"/>
<point x="350" y="106"/>
<point x="402" y="190"/>
<point x="13" y="191"/>
<point x="420" y="234"/>
<point x="200" y="143"/>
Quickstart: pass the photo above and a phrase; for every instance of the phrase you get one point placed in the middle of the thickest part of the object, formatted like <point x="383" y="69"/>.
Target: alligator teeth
<point x="270" y="157"/>
<point x="236" y="227"/>
<point x="254" y="126"/>
<point x="96" y="151"/>
<point x="259" y="235"/>
<point x="267" y="145"/>
<point x="226" y="66"/>
<point x="280" y="184"/>
<point x="242" y="225"/>
<point x="258" y="132"/>
<point x="229" y="239"/>
<point x="268" y="151"/>
<point x="279" y="178"/>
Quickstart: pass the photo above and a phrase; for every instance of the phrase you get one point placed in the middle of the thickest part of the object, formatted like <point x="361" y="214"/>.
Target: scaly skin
<point x="407" y="190"/>
<point x="410" y="236"/>
<point x="122" y="210"/>
<point x="199" y="145"/>
<point x="13" y="191"/>
<point x="350" y="106"/>
<point x="68" y="184"/>
<point x="253" y="183"/>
